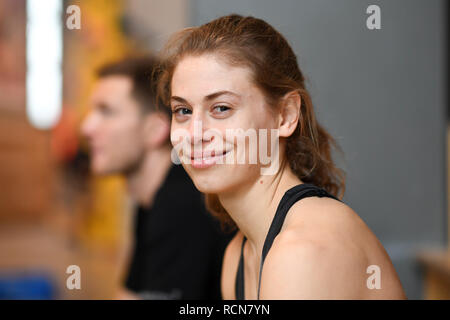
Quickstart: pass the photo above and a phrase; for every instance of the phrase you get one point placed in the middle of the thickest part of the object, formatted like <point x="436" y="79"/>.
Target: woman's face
<point x="217" y="114"/>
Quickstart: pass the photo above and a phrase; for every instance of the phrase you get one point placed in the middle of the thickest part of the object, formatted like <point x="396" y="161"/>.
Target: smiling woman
<point x="238" y="73"/>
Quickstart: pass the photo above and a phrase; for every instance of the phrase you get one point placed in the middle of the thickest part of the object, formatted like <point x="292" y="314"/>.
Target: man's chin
<point x="101" y="170"/>
<point x="98" y="172"/>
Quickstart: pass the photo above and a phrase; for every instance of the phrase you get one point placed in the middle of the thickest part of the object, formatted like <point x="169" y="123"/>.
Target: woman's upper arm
<point x="319" y="255"/>
<point x="313" y="270"/>
<point x="230" y="266"/>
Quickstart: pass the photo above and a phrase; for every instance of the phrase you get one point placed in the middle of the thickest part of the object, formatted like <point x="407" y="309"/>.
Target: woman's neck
<point x="253" y="206"/>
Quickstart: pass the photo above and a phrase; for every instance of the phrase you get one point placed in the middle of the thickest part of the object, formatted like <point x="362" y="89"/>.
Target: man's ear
<point x="156" y="129"/>
<point x="289" y="113"/>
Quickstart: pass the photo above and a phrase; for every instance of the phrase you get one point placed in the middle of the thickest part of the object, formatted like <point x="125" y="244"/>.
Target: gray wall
<point x="381" y="93"/>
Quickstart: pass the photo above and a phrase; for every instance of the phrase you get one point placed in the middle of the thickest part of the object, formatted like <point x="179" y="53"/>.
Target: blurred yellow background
<point x="61" y="214"/>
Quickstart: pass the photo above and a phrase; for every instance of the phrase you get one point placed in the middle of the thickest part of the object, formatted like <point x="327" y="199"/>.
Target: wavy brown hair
<point x="252" y="42"/>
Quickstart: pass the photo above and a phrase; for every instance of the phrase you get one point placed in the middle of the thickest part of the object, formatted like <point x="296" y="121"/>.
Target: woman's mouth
<point x="207" y="159"/>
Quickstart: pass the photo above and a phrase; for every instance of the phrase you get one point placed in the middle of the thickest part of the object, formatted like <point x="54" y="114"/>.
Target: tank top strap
<point x="290" y="197"/>
<point x="239" y="284"/>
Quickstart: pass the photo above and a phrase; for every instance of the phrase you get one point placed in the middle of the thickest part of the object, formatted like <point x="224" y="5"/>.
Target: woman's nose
<point x="197" y="127"/>
<point x="196" y="131"/>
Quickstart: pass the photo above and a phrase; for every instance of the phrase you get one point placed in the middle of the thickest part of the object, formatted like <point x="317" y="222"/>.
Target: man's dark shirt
<point x="179" y="246"/>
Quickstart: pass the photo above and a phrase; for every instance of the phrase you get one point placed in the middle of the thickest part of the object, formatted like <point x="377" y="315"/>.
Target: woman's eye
<point x="181" y="111"/>
<point x="221" y="108"/>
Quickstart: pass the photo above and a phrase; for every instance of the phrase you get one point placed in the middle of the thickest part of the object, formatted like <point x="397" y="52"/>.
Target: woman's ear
<point x="289" y="113"/>
<point x="156" y="129"/>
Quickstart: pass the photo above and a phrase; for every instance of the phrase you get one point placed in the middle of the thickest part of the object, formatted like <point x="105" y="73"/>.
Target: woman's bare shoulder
<point x="326" y="221"/>
<point x="323" y="252"/>
<point x="230" y="266"/>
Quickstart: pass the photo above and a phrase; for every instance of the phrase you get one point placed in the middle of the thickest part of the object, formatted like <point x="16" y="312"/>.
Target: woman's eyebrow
<point x="179" y="99"/>
<point x="209" y="97"/>
<point x="214" y="95"/>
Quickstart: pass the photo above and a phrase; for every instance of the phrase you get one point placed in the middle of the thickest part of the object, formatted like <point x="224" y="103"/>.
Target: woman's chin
<point x="220" y="179"/>
<point x="209" y="185"/>
<point x="210" y="182"/>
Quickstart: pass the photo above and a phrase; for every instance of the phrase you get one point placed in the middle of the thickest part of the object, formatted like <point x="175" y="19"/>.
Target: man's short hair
<point x="143" y="75"/>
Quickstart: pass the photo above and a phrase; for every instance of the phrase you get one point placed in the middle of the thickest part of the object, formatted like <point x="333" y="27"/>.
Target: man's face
<point x="114" y="127"/>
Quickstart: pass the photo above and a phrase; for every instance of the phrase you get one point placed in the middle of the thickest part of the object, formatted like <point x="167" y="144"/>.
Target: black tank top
<point x="289" y="198"/>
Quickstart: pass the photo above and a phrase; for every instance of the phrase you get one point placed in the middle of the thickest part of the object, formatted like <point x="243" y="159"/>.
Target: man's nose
<point x="88" y="126"/>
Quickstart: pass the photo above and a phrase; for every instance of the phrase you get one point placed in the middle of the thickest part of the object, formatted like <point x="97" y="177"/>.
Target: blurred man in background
<point x="178" y="245"/>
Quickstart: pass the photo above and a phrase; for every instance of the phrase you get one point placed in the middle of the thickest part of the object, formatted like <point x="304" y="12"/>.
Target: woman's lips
<point x="206" y="159"/>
